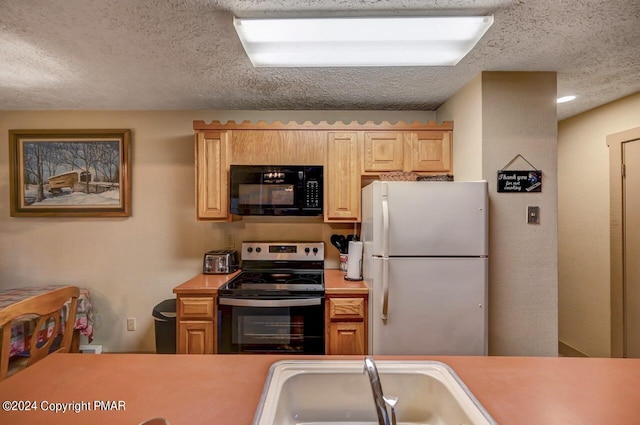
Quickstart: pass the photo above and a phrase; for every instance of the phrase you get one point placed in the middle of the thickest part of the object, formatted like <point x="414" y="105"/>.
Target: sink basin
<point x="337" y="392"/>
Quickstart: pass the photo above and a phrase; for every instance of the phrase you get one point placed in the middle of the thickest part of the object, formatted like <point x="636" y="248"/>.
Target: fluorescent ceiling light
<point x="319" y="42"/>
<point x="565" y="99"/>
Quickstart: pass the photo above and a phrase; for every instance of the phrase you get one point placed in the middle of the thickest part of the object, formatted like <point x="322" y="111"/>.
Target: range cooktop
<point x="272" y="269"/>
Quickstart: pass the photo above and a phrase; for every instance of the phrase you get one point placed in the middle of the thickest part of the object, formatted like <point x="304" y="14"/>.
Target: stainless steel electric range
<point x="276" y="304"/>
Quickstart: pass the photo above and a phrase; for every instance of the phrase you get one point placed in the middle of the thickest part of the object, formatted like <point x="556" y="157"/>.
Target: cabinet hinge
<point x="624" y="170"/>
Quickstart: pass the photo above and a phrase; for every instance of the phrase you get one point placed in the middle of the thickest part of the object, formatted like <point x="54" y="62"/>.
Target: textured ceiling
<point x="184" y="54"/>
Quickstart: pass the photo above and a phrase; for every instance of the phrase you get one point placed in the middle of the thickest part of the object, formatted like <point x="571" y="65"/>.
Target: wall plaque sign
<point x="516" y="181"/>
<point x="519" y="181"/>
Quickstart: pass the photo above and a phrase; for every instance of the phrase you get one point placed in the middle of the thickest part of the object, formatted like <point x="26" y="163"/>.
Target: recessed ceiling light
<point x="344" y="42"/>
<point x="565" y="99"/>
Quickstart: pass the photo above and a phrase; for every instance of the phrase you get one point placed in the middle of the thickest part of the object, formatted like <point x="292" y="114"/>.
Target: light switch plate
<point x="131" y="324"/>
<point x="533" y="215"/>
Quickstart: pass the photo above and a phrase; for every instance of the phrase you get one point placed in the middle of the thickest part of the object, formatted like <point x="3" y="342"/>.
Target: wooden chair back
<point x="47" y="306"/>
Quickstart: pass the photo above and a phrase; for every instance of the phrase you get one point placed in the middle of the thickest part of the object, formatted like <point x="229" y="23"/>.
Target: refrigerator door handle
<point x="385" y="289"/>
<point x="385" y="219"/>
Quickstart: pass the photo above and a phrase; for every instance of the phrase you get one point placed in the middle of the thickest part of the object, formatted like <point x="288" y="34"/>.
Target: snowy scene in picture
<point x="71" y="173"/>
<point x="67" y="197"/>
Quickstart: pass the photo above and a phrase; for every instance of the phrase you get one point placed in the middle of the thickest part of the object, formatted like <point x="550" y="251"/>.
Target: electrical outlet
<point x="533" y="215"/>
<point x="229" y="241"/>
<point x="131" y="324"/>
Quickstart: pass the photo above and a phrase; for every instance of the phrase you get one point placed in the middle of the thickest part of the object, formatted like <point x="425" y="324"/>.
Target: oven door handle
<point x="240" y="302"/>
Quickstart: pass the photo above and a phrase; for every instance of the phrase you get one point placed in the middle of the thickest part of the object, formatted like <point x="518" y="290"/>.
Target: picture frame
<point x="70" y="173"/>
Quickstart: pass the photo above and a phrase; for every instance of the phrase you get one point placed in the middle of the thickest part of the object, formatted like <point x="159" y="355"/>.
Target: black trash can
<point x="165" y="326"/>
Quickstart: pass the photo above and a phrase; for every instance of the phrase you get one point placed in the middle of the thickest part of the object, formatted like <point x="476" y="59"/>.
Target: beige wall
<point x="583" y="224"/>
<point x="466" y="106"/>
<point x="498" y="115"/>
<point x="519" y="117"/>
<point x="131" y="264"/>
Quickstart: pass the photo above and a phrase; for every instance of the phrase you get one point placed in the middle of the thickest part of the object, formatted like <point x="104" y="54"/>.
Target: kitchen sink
<point x="338" y="392"/>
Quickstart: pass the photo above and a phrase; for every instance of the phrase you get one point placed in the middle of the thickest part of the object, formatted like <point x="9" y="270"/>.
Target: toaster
<point x="220" y="262"/>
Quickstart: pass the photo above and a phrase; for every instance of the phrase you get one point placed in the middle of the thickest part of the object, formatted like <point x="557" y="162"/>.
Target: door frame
<point x="616" y="209"/>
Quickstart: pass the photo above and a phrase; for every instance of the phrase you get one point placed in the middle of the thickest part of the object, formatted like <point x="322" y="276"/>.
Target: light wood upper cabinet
<point x="277" y="147"/>
<point x="212" y="175"/>
<point x="342" y="178"/>
<point x="349" y="152"/>
<point x="383" y="151"/>
<point x="429" y="151"/>
<point x="416" y="151"/>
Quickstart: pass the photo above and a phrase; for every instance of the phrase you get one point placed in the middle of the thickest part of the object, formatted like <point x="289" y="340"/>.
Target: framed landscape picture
<point x="70" y="173"/>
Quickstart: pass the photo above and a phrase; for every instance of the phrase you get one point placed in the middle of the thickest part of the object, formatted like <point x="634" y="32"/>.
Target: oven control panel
<point x="289" y="251"/>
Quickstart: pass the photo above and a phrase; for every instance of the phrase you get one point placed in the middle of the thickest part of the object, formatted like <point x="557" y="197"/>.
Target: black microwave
<point x="276" y="190"/>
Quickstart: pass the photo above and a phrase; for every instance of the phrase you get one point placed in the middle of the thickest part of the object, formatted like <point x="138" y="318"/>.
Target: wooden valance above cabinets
<point x="351" y="154"/>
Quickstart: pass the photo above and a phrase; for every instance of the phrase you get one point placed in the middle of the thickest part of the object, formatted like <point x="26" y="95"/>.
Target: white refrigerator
<point x="425" y="260"/>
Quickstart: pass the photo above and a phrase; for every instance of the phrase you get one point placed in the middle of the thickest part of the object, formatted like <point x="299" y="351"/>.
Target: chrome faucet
<point x="376" y="388"/>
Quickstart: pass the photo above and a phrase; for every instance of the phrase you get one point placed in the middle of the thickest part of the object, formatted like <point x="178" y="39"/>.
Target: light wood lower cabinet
<point x="195" y="337"/>
<point x="195" y="325"/>
<point x="346" y="324"/>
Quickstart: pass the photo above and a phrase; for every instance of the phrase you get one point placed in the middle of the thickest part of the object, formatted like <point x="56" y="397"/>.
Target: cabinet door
<point x="346" y="338"/>
<point x="383" y="151"/>
<point x="347" y="325"/>
<point x="430" y="151"/>
<point x="212" y="171"/>
<point x="284" y="147"/>
<point x="342" y="178"/>
<point x="195" y="337"/>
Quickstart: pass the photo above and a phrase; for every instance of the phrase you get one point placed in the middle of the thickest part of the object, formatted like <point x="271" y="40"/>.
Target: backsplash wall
<point x="280" y="229"/>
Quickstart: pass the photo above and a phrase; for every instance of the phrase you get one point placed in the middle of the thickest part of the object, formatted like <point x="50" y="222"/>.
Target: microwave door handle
<point x="239" y="302"/>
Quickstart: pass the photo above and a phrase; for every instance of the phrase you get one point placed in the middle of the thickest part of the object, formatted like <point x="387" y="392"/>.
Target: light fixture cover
<point x="345" y="42"/>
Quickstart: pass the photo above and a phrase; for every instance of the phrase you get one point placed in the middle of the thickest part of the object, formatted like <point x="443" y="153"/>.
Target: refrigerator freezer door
<point x="436" y="306"/>
<point x="426" y="218"/>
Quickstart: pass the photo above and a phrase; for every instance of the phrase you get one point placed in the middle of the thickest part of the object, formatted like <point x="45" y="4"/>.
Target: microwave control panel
<point x="312" y="194"/>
